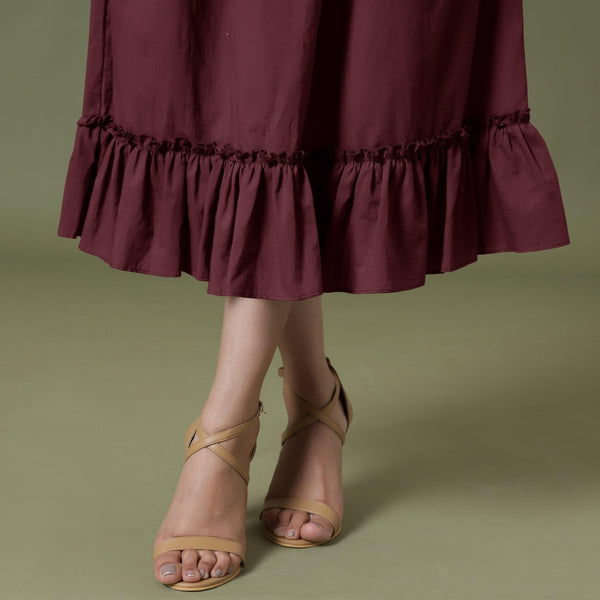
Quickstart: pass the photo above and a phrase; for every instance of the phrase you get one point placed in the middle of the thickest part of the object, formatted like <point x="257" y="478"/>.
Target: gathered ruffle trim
<point x="353" y="220"/>
<point x="407" y="150"/>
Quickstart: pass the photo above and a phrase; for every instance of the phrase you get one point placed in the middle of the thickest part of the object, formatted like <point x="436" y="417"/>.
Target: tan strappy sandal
<point x="311" y="506"/>
<point x="204" y="542"/>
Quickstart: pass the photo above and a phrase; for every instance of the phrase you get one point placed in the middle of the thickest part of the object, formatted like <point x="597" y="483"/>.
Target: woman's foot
<point x="309" y="466"/>
<point x="210" y="499"/>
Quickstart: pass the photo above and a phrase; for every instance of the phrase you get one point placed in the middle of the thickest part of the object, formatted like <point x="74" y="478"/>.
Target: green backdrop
<point x="472" y="467"/>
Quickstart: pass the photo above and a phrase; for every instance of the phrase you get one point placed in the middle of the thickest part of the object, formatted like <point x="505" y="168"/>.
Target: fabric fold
<point x="298" y="223"/>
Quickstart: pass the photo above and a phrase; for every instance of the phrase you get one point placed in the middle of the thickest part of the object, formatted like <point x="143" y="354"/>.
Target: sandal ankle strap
<point x="319" y="413"/>
<point x="212" y="441"/>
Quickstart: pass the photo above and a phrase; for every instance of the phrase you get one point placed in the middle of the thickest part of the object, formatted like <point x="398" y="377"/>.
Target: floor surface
<point x="470" y="471"/>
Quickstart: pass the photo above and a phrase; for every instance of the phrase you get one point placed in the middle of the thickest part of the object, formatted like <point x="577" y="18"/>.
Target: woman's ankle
<point x="226" y="412"/>
<point x="315" y="385"/>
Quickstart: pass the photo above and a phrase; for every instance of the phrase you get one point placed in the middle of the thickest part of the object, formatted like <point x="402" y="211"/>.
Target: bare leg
<point x="210" y="498"/>
<point x="310" y="461"/>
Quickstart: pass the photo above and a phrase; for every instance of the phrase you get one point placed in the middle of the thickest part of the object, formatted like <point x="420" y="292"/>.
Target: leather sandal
<point x="204" y="542"/>
<point x="311" y="506"/>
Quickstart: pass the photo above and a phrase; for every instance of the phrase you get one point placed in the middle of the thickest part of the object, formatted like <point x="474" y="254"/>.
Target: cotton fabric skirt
<point x="282" y="149"/>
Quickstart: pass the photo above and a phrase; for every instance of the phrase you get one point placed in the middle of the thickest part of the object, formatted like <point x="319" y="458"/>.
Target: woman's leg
<point x="310" y="461"/>
<point x="210" y="498"/>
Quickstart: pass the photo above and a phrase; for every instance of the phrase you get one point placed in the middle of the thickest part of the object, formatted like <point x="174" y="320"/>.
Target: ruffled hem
<point x="293" y="225"/>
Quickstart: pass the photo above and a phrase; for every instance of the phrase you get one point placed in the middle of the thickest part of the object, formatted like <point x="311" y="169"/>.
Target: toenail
<point x="190" y="573"/>
<point x="291" y="533"/>
<point x="314" y="522"/>
<point x="218" y="572"/>
<point x="203" y="573"/>
<point x="168" y="570"/>
<point x="279" y="531"/>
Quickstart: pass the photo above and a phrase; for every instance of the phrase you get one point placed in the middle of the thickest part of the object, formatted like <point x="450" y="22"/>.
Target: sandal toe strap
<point x="306" y="504"/>
<point x="200" y="542"/>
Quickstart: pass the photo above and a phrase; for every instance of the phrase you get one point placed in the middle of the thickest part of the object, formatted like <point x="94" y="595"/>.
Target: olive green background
<point x="471" y="469"/>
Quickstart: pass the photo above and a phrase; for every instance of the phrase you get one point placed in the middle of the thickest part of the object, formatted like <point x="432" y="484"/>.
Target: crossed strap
<point x="212" y="442"/>
<point x="314" y="413"/>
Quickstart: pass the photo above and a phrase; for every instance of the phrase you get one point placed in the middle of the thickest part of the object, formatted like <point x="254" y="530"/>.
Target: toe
<point x="207" y="562"/>
<point x="270" y="518"/>
<point x="317" y="529"/>
<point x="234" y="562"/>
<point x="299" y="517"/>
<point x="222" y="565"/>
<point x="283" y="520"/>
<point x="167" y="566"/>
<point x="189" y="565"/>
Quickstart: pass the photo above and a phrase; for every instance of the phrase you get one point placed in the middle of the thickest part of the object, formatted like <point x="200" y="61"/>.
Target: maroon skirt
<point x="283" y="149"/>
